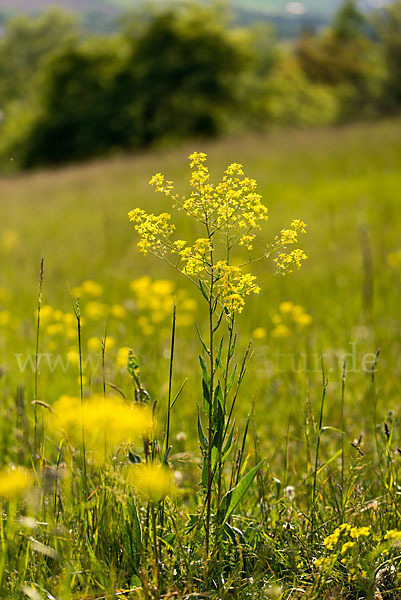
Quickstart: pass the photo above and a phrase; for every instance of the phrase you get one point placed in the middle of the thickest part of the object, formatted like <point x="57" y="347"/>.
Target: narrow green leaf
<point x="234" y="496"/>
<point x="205" y="372"/>
<point x="201" y="435"/>
<point x="201" y="340"/>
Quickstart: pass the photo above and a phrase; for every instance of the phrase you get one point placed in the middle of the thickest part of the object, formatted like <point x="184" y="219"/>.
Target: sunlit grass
<point x="343" y="306"/>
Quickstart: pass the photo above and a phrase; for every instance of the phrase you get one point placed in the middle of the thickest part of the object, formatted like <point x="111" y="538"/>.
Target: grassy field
<point x="326" y="463"/>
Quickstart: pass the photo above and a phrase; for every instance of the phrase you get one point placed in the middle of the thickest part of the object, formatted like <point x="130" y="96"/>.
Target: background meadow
<point x="306" y="502"/>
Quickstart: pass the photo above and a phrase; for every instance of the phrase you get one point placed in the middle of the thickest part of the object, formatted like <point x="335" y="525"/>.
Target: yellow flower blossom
<point x="233" y="286"/>
<point x="357" y="532"/>
<point x="259" y="333"/>
<point x="347" y="546"/>
<point x="5" y="318"/>
<point x="69" y="319"/>
<point x="14" y="481"/>
<point x="94" y="344"/>
<point x="107" y="422"/>
<point x="122" y="357"/>
<point x="88" y="288"/>
<point x="230" y="212"/>
<point x="289" y="316"/>
<point x="10" y="240"/>
<point x="393" y="534"/>
<point x="155" y="482"/>
<point x="281" y="331"/>
<point x="154" y="230"/>
<point x="96" y="310"/>
<point x="117" y="311"/>
<point x="73" y="355"/>
<point x="54" y="329"/>
<point x="394" y="258"/>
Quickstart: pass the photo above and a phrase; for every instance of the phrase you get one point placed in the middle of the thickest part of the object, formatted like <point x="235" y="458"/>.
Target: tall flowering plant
<point x="231" y="213"/>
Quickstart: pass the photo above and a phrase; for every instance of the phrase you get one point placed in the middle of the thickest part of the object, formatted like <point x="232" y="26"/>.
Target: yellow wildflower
<point x="14" y="481"/>
<point x="117" y="311"/>
<point x="259" y="333"/>
<point x="357" y="532"/>
<point x="5" y="318"/>
<point x="96" y="310"/>
<point x="94" y="344"/>
<point x="281" y="331"/>
<point x="347" y="546"/>
<point x="155" y="482"/>
<point x="122" y="357"/>
<point x="107" y="422"/>
<point x="394" y="258"/>
<point x="88" y="288"/>
<point x="393" y="534"/>
<point x="54" y="329"/>
<point x="154" y="230"/>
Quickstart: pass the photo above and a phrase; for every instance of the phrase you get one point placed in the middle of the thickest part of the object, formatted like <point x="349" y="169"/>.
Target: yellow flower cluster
<point x="230" y="212"/>
<point x="393" y="534"/>
<point x="233" y="286"/>
<point x="56" y="322"/>
<point x="153" y="481"/>
<point x="155" y="302"/>
<point x="107" y="422"/>
<point x="324" y="562"/>
<point x="88" y="288"/>
<point x="5" y="318"/>
<point x="394" y="258"/>
<point x="155" y="231"/>
<point x="14" y="481"/>
<point x="343" y="531"/>
<point x="195" y="258"/>
<point x="285" y="261"/>
<point x="9" y="240"/>
<point x="289" y="316"/>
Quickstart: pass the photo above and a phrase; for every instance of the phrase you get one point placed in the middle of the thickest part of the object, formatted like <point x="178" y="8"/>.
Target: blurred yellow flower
<point x="96" y="310"/>
<point x="393" y="534"/>
<point x="110" y="342"/>
<point x="107" y="422"/>
<point x="54" y="329"/>
<point x="5" y="317"/>
<point x="154" y="482"/>
<point x="46" y="313"/>
<point x="9" y="240"/>
<point x="286" y="307"/>
<point x="14" y="481"/>
<point x="71" y="333"/>
<point x="73" y="356"/>
<point x="281" y="331"/>
<point x="163" y="287"/>
<point x="88" y="288"/>
<point x="394" y="258"/>
<point x="259" y="333"/>
<point x="69" y="319"/>
<point x="94" y="344"/>
<point x="290" y="316"/>
<point x="122" y="357"/>
<point x="117" y="311"/>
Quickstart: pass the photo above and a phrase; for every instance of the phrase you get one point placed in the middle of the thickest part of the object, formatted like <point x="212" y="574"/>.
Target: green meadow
<point x="315" y="332"/>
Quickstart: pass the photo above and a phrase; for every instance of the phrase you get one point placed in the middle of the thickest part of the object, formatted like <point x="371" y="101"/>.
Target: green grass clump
<point x="304" y="498"/>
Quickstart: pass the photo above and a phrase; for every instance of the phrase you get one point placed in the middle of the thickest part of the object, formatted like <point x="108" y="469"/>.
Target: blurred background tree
<point x="185" y="71"/>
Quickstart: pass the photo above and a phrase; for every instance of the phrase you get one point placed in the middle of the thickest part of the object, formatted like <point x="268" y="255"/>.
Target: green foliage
<point x="24" y="45"/>
<point x="60" y="542"/>
<point x="171" y="81"/>
<point x="184" y="71"/>
<point x="388" y="27"/>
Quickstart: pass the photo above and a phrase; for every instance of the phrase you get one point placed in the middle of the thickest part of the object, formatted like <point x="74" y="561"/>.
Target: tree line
<point x="181" y="72"/>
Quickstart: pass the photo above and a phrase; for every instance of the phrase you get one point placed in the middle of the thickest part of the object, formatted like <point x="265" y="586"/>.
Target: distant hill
<point x="287" y="16"/>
